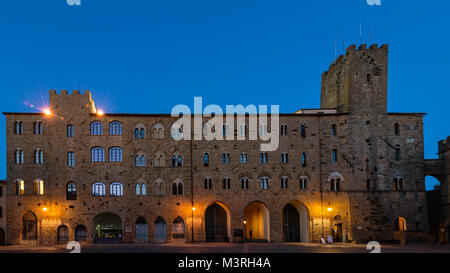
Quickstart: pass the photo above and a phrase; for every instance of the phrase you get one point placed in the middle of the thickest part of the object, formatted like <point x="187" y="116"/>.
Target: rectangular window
<point x="1" y="191"/>
<point x="263" y="158"/>
<point x="226" y="158"/>
<point x="244" y="183"/>
<point x="284" y="183"/>
<point x="71" y="159"/>
<point x="70" y="131"/>
<point x="334" y="156"/>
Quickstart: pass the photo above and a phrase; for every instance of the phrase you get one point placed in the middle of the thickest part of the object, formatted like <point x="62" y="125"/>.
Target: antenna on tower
<point x="360" y="32"/>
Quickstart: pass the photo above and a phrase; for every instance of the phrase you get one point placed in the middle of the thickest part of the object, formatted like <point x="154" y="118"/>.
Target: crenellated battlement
<point x="76" y="100"/>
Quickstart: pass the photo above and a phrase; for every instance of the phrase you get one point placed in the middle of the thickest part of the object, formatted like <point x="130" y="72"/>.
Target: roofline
<point x="21" y="113"/>
<point x="407" y="114"/>
<point x="169" y="115"/>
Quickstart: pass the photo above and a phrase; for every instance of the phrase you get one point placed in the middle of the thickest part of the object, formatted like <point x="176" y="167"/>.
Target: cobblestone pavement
<point x="229" y="248"/>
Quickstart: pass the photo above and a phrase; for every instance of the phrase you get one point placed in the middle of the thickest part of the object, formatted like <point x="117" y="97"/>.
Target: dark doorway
<point x="160" y="231"/>
<point x="291" y="224"/>
<point x="141" y="229"/>
<point x="29" y="226"/>
<point x="216" y="224"/>
<point x="108" y="228"/>
<point x="63" y="234"/>
<point x="338" y="233"/>
<point x="2" y="237"/>
<point x="80" y="233"/>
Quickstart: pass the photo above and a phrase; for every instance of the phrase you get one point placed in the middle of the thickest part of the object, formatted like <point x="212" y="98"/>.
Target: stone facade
<point x="2" y="212"/>
<point x="376" y="156"/>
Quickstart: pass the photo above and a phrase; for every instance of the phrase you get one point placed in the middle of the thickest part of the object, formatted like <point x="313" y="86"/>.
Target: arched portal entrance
<point x="141" y="230"/>
<point x="80" y="233"/>
<point x="295" y="222"/>
<point x="2" y="237"/>
<point x="63" y="234"/>
<point x="256" y="219"/>
<point x="291" y="224"/>
<point x="216" y="224"/>
<point x="108" y="228"/>
<point x="29" y="226"/>
<point x="160" y="232"/>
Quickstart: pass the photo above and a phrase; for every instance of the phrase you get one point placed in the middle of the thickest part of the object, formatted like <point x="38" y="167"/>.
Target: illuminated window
<point x="70" y="131"/>
<point x="71" y="192"/>
<point x="115" y="154"/>
<point x="98" y="189"/>
<point x="115" y="128"/>
<point x="400" y="224"/>
<point x="18" y="127"/>
<point x="139" y="132"/>
<point x="19" y="156"/>
<point x="116" y="189"/>
<point x="177" y="161"/>
<point x="71" y="159"/>
<point x="97" y="154"/>
<point x="96" y="128"/>
<point x="264" y="181"/>
<point x="38" y="187"/>
<point x="19" y="187"/>
<point x="334" y="155"/>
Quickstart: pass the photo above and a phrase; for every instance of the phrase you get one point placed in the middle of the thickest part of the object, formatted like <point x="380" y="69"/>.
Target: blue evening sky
<point x="147" y="56"/>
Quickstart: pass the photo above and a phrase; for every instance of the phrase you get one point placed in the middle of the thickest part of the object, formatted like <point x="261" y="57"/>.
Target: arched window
<point x="142" y="133"/>
<point x="98" y="189"/>
<point x="62" y="234"/>
<point x="284" y="182"/>
<point x="159" y="188"/>
<point x="178" y="228"/>
<point x="400" y="224"/>
<point x="97" y="154"/>
<point x="115" y="154"/>
<point x="19" y="156"/>
<point x="38" y="187"/>
<point x="115" y="128"/>
<point x="141" y="161"/>
<point x="19" y="187"/>
<point x="264" y="183"/>
<point x="177" y="161"/>
<point x="158" y="131"/>
<point x="96" y="128"/>
<point x="136" y="133"/>
<point x="333" y="130"/>
<point x="116" y="189"/>
<point x="29" y="226"/>
<point x="177" y="188"/>
<point x="18" y="127"/>
<point x="71" y="191"/>
<point x="284" y="157"/>
<point x="334" y="155"/>
<point x="205" y="159"/>
<point x="138" y="189"/>
<point x="397" y="129"/>
<point x="80" y="233"/>
<point x="158" y="160"/>
<point x="180" y="161"/>
<point x="208" y="183"/>
<point x="244" y="183"/>
<point x="283" y="129"/>
<point x="303" y="130"/>
<point x="143" y="189"/>
<point x="398" y="183"/>
<point x="303" y="182"/>
<point x="303" y="159"/>
<point x="37" y="128"/>
<point x="335" y="180"/>
<point x="38" y="156"/>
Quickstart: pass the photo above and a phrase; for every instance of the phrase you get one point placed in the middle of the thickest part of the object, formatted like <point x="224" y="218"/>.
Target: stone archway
<point x="295" y="222"/>
<point x="29" y="227"/>
<point x="217" y="223"/>
<point x="108" y="228"/>
<point x="257" y="222"/>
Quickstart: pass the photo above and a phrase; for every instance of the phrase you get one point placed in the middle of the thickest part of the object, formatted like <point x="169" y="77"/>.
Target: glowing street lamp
<point x="47" y="112"/>
<point x="100" y="112"/>
<point x="193" y="208"/>
<point x="44" y="208"/>
<point x="329" y="209"/>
